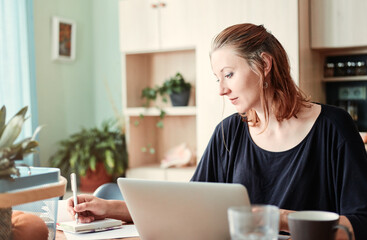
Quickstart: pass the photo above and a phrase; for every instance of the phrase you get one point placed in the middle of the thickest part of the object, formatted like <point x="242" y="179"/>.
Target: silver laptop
<point x="163" y="210"/>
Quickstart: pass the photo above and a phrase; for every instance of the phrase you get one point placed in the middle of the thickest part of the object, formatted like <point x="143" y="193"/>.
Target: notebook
<point x="181" y="210"/>
<point x="95" y="226"/>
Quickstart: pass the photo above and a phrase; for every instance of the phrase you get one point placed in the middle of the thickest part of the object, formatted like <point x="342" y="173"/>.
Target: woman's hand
<point x="89" y="208"/>
<point x="283" y="220"/>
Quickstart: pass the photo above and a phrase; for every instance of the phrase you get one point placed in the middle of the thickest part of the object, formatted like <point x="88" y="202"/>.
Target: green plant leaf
<point x="160" y="124"/>
<point x="162" y="114"/>
<point x="73" y="159"/>
<point x="109" y="159"/>
<point x="11" y="131"/>
<point x="93" y="163"/>
<point x="84" y="149"/>
<point x="2" y="119"/>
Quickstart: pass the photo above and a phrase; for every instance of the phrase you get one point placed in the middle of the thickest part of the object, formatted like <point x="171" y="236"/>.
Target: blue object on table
<point x="36" y="177"/>
<point x="109" y="191"/>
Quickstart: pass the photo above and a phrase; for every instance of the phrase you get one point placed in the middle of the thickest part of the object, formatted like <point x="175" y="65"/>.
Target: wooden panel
<point x="176" y="23"/>
<point x="338" y="23"/>
<point x="310" y="63"/>
<point x="155" y="172"/>
<point x="176" y="130"/>
<point x="141" y="136"/>
<point x="137" y="77"/>
<point x="148" y="172"/>
<point x="138" y="23"/>
<point x="180" y="174"/>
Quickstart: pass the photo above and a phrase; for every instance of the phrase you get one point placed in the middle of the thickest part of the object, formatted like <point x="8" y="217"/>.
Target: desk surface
<point x="61" y="236"/>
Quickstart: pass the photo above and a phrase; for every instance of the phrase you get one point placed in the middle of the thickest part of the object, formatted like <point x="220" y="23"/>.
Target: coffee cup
<point x="311" y="225"/>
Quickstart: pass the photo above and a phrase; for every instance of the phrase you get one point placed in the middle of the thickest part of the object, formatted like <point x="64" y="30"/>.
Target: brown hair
<point x="249" y="42"/>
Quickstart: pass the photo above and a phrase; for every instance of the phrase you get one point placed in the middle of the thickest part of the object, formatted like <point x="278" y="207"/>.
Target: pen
<point x="74" y="190"/>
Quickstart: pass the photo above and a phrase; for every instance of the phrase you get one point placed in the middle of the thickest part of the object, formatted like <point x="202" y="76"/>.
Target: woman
<point x="286" y="150"/>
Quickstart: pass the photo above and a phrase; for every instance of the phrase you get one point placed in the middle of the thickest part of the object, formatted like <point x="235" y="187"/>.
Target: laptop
<point x="163" y="210"/>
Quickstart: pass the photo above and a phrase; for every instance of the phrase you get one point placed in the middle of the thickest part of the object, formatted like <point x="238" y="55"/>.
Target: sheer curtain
<point x="17" y="64"/>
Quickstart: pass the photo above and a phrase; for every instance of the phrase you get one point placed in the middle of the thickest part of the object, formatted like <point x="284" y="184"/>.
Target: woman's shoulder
<point x="339" y="120"/>
<point x="231" y="120"/>
<point x="230" y="123"/>
<point x="336" y="115"/>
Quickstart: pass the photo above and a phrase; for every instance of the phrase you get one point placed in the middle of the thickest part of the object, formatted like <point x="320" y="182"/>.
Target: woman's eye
<point x="229" y="75"/>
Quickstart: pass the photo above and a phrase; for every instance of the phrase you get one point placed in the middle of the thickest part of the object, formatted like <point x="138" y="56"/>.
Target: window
<point x="17" y="63"/>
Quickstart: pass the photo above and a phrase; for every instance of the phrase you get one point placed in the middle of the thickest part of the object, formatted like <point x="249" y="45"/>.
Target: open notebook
<point x="95" y="226"/>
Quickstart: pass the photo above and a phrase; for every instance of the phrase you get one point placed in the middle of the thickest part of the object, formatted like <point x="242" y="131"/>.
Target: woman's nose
<point x="223" y="89"/>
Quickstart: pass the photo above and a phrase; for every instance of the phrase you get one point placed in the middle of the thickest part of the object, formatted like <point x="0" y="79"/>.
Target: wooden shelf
<point x="345" y="78"/>
<point x="27" y="195"/>
<point x="155" y="172"/>
<point x="147" y="51"/>
<point x="171" y="111"/>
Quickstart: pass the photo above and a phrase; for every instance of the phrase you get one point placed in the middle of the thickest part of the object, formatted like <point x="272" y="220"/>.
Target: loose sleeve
<point x="207" y="169"/>
<point x="350" y="174"/>
<point x="352" y="186"/>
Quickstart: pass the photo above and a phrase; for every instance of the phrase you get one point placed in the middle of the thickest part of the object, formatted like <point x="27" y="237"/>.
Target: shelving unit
<point x="344" y="78"/>
<point x="143" y="69"/>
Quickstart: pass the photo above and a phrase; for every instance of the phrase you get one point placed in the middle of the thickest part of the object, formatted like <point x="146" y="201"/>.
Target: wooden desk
<point x="61" y="236"/>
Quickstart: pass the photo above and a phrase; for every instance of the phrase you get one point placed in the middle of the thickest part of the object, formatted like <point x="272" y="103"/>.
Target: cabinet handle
<point x="162" y="4"/>
<point x="154" y="5"/>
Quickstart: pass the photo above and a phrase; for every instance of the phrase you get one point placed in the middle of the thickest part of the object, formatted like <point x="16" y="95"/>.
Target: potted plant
<point x="178" y="90"/>
<point x="175" y="87"/>
<point x="98" y="155"/>
<point x="9" y="153"/>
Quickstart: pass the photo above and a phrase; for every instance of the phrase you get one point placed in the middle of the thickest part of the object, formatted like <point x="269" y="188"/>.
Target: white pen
<point x="74" y="190"/>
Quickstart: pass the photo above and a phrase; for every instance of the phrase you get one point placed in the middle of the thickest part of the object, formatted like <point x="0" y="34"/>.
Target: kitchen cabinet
<point x="154" y="25"/>
<point x="338" y="24"/>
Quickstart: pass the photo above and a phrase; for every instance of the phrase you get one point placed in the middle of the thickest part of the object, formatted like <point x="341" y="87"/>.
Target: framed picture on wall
<point x="63" y="39"/>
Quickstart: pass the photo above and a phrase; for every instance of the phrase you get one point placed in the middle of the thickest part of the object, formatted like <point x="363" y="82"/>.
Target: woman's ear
<point x="268" y="61"/>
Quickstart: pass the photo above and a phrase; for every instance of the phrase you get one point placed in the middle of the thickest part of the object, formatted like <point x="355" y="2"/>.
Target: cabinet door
<point x="176" y="23"/>
<point x="138" y="25"/>
<point x="281" y="19"/>
<point x="338" y="23"/>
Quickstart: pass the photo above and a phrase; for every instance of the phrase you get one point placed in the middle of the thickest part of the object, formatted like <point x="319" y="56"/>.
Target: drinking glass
<point x="256" y="222"/>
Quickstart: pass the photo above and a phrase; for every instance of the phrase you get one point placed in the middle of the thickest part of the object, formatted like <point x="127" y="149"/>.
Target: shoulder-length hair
<point x="249" y="41"/>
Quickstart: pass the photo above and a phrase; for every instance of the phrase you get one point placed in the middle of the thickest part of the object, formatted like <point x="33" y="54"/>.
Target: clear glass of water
<point x="256" y="222"/>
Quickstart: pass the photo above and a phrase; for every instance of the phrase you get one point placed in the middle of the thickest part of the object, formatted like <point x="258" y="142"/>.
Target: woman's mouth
<point x="233" y="100"/>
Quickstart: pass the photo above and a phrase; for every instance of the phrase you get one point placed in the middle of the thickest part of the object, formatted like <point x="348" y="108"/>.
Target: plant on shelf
<point x="10" y="151"/>
<point x="175" y="87"/>
<point x="93" y="151"/>
<point x="178" y="90"/>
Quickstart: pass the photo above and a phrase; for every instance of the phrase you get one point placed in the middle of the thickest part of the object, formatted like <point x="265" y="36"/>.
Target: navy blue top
<point x="326" y="171"/>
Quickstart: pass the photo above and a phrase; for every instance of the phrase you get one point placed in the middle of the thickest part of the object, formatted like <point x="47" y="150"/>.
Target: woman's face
<point x="236" y="79"/>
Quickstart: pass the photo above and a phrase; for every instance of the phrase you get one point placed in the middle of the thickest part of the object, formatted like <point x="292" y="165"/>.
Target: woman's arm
<point x="91" y="208"/>
<point x="118" y="210"/>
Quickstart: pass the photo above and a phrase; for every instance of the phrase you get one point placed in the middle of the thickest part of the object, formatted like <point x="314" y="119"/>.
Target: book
<point x="95" y="226"/>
